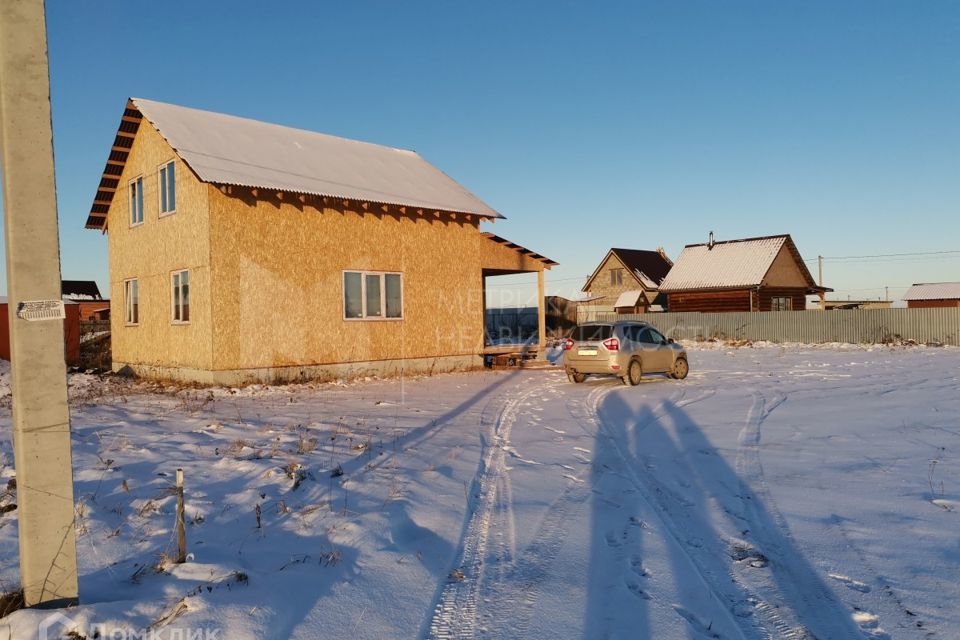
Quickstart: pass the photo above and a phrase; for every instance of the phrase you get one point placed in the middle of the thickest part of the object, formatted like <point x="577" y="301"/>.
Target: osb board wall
<point x="278" y="280"/>
<point x="150" y="252"/>
<point x="610" y="292"/>
<point x="784" y="272"/>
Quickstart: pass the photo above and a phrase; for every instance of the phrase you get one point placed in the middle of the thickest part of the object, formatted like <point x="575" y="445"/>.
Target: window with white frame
<point x="136" y="201"/>
<point x="131" y="301"/>
<point x="168" y="188"/>
<point x="180" y="296"/>
<point x="372" y="295"/>
<point x="781" y="304"/>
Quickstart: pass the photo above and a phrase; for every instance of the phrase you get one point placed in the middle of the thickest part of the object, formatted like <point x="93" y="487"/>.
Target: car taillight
<point x="612" y="344"/>
<point x="568" y="344"/>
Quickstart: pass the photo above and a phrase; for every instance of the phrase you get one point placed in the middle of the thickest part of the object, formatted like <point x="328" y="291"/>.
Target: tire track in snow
<point x="806" y="596"/>
<point x="516" y="589"/>
<point x="455" y="614"/>
<point x="750" y="471"/>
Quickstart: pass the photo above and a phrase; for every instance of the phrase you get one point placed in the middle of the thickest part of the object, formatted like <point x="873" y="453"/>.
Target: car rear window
<point x="592" y="332"/>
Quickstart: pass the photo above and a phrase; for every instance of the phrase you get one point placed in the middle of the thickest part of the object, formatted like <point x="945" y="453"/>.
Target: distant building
<point x="836" y="305"/>
<point x="752" y="274"/>
<point x="933" y="295"/>
<point x="627" y="280"/>
<point x="86" y="294"/>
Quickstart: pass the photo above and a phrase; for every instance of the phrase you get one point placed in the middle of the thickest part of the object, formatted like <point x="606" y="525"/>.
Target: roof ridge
<point x="264" y="123"/>
<point x="736" y="240"/>
<point x="924" y="284"/>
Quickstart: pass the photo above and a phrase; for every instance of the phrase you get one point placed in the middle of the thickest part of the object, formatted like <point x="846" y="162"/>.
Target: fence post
<point x="181" y="523"/>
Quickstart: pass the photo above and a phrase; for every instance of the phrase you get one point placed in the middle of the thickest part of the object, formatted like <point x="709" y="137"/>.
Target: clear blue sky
<point x="588" y="125"/>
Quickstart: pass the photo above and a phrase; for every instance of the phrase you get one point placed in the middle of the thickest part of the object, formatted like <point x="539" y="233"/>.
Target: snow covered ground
<point x="778" y="492"/>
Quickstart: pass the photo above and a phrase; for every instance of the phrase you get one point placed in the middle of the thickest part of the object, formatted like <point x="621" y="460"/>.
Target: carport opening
<point x="511" y="312"/>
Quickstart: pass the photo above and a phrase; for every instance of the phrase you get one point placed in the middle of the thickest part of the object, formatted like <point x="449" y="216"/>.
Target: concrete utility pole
<point x="41" y="420"/>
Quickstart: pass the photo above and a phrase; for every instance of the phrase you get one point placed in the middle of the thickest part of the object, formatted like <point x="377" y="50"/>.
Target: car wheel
<point x="634" y="373"/>
<point x="680" y="369"/>
<point x="577" y="377"/>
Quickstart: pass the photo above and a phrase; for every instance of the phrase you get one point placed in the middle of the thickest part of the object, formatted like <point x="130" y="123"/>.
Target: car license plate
<point x="587" y="352"/>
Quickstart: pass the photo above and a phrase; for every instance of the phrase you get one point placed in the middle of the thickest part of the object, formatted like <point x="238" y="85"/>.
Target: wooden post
<point x="483" y="311"/>
<point x="41" y="418"/>
<point x="181" y="523"/>
<point x="541" y="317"/>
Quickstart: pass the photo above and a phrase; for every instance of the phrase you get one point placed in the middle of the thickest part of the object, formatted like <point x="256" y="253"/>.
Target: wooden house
<point x="86" y="294"/>
<point x="627" y="280"/>
<point x="933" y="295"/>
<point x="752" y="274"/>
<point x="247" y="251"/>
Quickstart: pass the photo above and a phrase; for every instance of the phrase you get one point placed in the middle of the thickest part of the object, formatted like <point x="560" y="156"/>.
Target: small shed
<point x="933" y="295"/>
<point x="751" y="274"/>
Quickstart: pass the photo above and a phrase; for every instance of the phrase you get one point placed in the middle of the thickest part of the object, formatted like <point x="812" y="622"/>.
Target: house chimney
<point x="710" y="242"/>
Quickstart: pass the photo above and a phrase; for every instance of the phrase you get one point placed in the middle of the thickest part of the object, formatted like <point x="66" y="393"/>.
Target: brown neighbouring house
<point x="86" y="294"/>
<point x="241" y="250"/>
<point x="752" y="274"/>
<point x="933" y="295"/>
<point x="627" y="280"/>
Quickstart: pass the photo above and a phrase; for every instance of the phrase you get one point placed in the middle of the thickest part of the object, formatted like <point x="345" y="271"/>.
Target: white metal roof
<point x="628" y="298"/>
<point x="733" y="263"/>
<point x="225" y="149"/>
<point x="645" y="280"/>
<point x="933" y="291"/>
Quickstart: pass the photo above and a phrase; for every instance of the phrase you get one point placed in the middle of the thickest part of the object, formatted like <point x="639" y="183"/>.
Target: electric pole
<point x="41" y="419"/>
<point x="823" y="295"/>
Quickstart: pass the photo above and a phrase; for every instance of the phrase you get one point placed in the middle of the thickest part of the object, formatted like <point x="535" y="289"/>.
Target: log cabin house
<point x="627" y="280"/>
<point x="752" y="274"/>
<point x="933" y="295"/>
<point x="244" y="251"/>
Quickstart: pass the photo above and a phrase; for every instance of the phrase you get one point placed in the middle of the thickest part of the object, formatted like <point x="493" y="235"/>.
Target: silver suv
<point x="625" y="349"/>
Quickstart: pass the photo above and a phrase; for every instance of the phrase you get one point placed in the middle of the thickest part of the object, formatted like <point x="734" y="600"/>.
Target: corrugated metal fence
<point x="516" y="324"/>
<point x="854" y="326"/>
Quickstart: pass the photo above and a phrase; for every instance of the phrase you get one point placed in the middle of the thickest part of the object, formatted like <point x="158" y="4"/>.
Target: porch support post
<point x="541" y="316"/>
